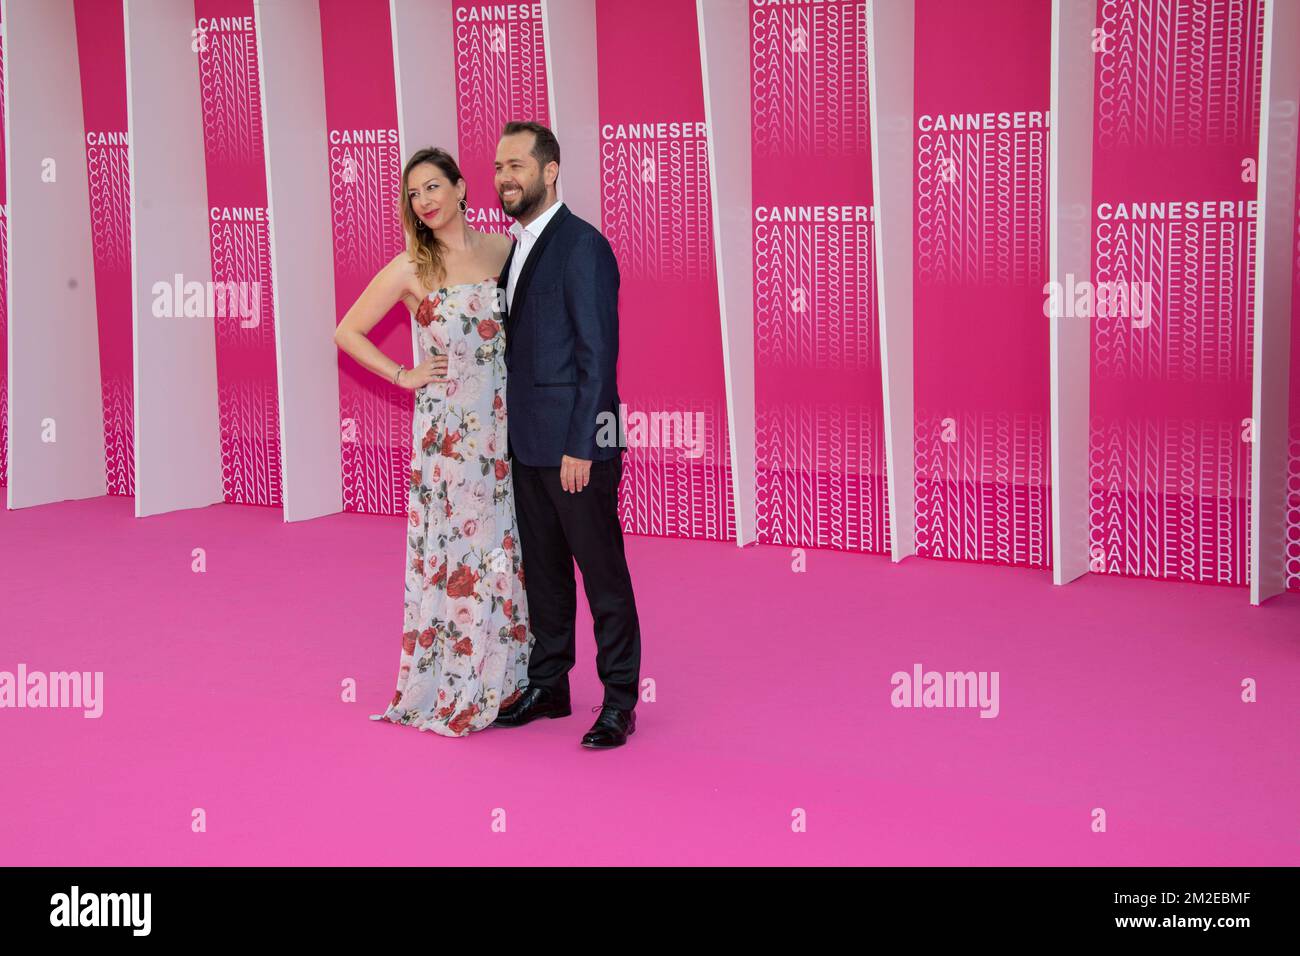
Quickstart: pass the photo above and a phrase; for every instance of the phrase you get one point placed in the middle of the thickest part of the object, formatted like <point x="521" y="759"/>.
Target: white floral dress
<point x="465" y="635"/>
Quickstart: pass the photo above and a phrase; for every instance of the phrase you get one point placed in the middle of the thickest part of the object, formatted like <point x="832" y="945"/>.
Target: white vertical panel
<point x="569" y="38"/>
<point x="177" y="423"/>
<point x="424" y="68"/>
<point x="302" y="257"/>
<point x="54" y="384"/>
<point x="1070" y="254"/>
<point x="424" y="75"/>
<point x="724" y="63"/>
<point x="1274" y="240"/>
<point x="891" y="56"/>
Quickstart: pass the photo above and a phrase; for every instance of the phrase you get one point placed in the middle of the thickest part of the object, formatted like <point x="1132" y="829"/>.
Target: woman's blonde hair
<point x="421" y="244"/>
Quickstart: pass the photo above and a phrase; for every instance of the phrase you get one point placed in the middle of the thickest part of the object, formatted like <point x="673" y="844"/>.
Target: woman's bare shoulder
<point x="402" y="272"/>
<point x="401" y="264"/>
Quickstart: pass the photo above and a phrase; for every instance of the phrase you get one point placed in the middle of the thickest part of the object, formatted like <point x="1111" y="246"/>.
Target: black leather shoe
<point x="534" y="702"/>
<point x="611" y="729"/>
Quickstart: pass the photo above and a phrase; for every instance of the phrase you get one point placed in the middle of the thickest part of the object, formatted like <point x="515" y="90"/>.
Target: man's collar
<point x="537" y="225"/>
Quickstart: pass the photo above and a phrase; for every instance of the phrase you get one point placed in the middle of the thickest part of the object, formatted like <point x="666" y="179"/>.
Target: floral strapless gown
<point x="465" y="635"/>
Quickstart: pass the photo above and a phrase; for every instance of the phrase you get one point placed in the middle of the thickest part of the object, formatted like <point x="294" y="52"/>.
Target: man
<point x="560" y="292"/>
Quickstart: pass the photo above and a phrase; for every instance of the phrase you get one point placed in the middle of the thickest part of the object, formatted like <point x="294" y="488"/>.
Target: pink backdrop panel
<point x="365" y="166"/>
<point x="4" y="284"/>
<point x="656" y="212"/>
<point x="1293" y="460"/>
<point x="500" y="76"/>
<point x="1177" y="102"/>
<point x="101" y="57"/>
<point x="239" y="237"/>
<point x="820" y="450"/>
<point x="982" y="368"/>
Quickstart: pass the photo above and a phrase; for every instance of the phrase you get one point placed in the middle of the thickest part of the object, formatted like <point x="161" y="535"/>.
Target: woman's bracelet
<point x="397" y="377"/>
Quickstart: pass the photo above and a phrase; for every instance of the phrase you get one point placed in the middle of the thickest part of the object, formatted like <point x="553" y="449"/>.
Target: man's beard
<point x="530" y="200"/>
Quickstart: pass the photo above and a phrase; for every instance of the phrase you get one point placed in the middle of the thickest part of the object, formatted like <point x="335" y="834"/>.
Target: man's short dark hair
<point x="546" y="148"/>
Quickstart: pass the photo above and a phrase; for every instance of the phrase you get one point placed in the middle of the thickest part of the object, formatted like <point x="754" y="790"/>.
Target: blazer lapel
<point x="535" y="255"/>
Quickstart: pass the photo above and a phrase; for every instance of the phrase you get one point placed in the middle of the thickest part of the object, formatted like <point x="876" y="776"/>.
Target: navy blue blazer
<point x="562" y="346"/>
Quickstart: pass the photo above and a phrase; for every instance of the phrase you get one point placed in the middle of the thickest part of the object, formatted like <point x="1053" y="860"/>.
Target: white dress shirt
<point x="525" y="236"/>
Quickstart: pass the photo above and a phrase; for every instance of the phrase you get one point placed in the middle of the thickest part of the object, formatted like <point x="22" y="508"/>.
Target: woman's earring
<point x="463" y="204"/>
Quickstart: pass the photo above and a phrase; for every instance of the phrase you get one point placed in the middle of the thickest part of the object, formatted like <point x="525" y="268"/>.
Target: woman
<point x="465" y="636"/>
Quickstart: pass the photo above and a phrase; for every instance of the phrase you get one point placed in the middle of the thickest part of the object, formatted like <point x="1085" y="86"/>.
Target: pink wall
<point x="983" y="74"/>
<point x="365" y="165"/>
<point x="240" y="243"/>
<point x="820" y="449"/>
<point x="657" y="215"/>
<point x="500" y="76"/>
<point x="1176" y="115"/>
<point x="1293" y="467"/>
<point x="101" y="59"/>
<point x="1177" y="99"/>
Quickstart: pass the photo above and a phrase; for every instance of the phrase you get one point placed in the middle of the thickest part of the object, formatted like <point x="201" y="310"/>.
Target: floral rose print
<point x="465" y="636"/>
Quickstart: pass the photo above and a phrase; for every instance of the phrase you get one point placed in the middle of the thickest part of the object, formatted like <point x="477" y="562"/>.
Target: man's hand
<point x="574" y="473"/>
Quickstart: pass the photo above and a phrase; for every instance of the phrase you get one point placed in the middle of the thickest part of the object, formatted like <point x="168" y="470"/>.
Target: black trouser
<point x="555" y="528"/>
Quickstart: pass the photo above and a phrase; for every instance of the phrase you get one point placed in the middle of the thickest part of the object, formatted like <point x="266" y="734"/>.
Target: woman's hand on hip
<point x="432" y="370"/>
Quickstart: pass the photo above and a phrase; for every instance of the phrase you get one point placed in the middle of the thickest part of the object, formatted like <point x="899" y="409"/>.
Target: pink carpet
<point x="222" y="692"/>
